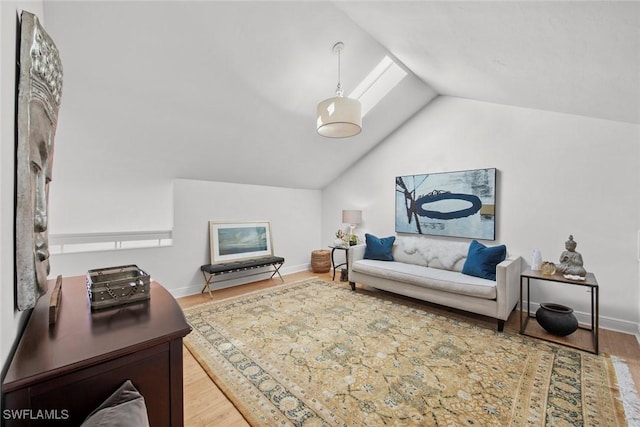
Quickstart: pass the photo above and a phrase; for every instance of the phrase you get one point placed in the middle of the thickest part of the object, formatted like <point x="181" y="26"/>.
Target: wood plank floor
<point x="206" y="405"/>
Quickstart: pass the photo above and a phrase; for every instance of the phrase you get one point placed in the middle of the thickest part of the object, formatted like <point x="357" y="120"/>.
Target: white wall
<point x="105" y="205"/>
<point x="10" y="319"/>
<point x="295" y="228"/>
<point x="558" y="174"/>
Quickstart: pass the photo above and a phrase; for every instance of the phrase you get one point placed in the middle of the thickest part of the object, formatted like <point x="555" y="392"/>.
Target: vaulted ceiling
<point x="567" y="56"/>
<point x="227" y="91"/>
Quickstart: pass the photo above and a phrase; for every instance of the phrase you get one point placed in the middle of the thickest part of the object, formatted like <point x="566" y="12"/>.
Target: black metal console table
<point x="589" y="282"/>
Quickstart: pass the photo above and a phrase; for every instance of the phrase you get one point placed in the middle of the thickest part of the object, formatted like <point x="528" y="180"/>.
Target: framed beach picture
<point x="455" y="204"/>
<point x="233" y="241"/>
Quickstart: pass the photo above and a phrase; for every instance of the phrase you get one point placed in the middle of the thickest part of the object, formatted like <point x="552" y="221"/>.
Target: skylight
<point x="384" y="77"/>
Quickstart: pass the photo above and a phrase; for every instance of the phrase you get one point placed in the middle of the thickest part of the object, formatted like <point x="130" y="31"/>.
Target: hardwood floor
<point x="206" y="405"/>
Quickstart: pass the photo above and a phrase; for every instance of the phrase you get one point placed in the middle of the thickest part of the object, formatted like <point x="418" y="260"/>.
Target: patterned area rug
<point x="315" y="354"/>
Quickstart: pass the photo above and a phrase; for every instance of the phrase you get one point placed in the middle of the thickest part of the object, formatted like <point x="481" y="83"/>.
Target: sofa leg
<point x="500" y="325"/>
<point x="353" y="285"/>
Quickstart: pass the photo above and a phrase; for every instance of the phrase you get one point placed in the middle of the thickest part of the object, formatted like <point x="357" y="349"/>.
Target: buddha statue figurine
<point x="570" y="260"/>
<point x="38" y="104"/>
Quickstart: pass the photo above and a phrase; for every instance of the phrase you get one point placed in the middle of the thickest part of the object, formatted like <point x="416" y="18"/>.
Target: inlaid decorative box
<point x="114" y="286"/>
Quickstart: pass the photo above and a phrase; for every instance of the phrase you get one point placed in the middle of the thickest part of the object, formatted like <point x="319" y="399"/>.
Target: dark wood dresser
<point x="60" y="374"/>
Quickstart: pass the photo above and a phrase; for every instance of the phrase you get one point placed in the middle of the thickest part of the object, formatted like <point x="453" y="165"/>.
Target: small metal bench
<point x="209" y="271"/>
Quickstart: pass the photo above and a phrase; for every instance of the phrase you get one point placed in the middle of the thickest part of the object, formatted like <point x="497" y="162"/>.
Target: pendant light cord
<point x="339" y="90"/>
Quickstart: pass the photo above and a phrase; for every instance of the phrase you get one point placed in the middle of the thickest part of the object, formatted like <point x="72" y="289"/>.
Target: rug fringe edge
<point x="628" y="394"/>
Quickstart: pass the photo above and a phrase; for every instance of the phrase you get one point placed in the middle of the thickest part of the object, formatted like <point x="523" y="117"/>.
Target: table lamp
<point x="352" y="218"/>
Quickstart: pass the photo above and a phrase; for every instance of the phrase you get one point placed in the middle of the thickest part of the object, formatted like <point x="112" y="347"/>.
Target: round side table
<point x="334" y="248"/>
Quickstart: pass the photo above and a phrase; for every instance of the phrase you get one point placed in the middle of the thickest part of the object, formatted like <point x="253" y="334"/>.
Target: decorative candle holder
<point x="548" y="268"/>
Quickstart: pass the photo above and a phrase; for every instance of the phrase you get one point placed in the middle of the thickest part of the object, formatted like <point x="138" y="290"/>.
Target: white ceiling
<point x="226" y="91"/>
<point x="577" y="57"/>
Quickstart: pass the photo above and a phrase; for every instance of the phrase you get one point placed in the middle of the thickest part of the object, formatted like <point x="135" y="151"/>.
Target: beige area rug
<point x="312" y="353"/>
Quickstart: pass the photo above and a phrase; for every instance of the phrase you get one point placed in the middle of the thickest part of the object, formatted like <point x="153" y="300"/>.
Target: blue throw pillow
<point x="482" y="260"/>
<point x="379" y="248"/>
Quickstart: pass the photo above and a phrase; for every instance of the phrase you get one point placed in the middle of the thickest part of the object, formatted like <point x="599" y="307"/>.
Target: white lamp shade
<point x="339" y="117"/>
<point x="351" y="217"/>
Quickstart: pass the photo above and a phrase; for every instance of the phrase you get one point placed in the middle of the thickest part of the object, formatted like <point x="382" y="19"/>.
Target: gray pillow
<point x="125" y="407"/>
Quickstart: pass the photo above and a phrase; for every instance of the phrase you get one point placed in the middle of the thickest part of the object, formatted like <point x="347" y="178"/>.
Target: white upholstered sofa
<point x="431" y="270"/>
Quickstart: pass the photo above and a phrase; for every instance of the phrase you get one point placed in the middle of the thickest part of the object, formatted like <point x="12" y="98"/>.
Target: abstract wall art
<point x="454" y="204"/>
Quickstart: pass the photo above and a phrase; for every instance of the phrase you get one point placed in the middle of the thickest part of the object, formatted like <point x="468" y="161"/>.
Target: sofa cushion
<point x="428" y="277"/>
<point x="378" y="248"/>
<point x="428" y="252"/>
<point x="482" y="260"/>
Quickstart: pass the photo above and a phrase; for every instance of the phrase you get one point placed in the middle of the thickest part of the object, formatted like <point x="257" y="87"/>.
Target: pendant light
<point x="339" y="117"/>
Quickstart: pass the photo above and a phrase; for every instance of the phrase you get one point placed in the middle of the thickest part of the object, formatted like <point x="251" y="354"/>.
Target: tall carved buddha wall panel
<point x="39" y="93"/>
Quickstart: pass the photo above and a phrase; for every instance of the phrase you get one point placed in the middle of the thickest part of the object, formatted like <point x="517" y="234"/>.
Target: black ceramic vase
<point x="557" y="319"/>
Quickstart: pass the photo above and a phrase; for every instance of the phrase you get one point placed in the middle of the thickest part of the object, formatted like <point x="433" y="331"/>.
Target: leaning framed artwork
<point x="454" y="204"/>
<point x="233" y="241"/>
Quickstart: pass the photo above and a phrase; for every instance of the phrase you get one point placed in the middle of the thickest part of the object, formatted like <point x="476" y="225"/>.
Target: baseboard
<point x="609" y="323"/>
<point x="235" y="279"/>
